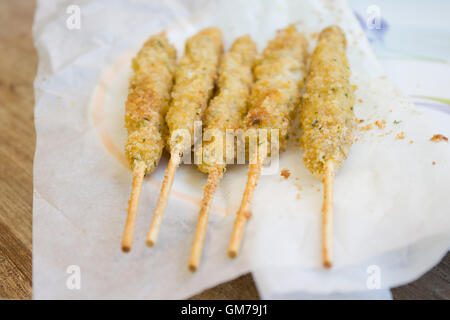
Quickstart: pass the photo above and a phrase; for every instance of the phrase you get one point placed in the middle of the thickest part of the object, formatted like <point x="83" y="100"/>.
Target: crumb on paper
<point x="433" y="163"/>
<point x="367" y="127"/>
<point x="397" y="121"/>
<point x="400" y="136"/>
<point x="438" y="138"/>
<point x="411" y="142"/>
<point x="285" y="173"/>
<point x="360" y="100"/>
<point x="298" y="196"/>
<point x="380" y="124"/>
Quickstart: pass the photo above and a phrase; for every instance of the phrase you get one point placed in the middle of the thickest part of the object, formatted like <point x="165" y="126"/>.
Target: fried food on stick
<point x="275" y="95"/>
<point x="225" y="111"/>
<point x="146" y="107"/>
<point x="327" y="120"/>
<point x="194" y="83"/>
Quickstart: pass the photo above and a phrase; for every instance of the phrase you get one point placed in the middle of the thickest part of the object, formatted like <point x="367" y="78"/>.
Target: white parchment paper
<point x="391" y="196"/>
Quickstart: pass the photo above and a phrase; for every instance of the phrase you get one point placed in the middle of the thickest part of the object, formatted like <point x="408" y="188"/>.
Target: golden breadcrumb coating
<point x="326" y="115"/>
<point x="194" y="83"/>
<point x="148" y="100"/>
<point x="438" y="138"/>
<point x="227" y="109"/>
<point x="279" y="74"/>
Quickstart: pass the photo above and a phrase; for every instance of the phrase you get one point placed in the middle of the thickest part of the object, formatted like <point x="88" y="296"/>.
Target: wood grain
<point x="242" y="288"/>
<point x="18" y="61"/>
<point x="17" y="141"/>
<point x="434" y="285"/>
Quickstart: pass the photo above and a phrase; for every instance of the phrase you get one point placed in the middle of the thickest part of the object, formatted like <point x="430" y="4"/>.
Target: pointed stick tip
<point x="202" y="224"/>
<point x="193" y="267"/>
<point x="161" y="204"/>
<point x="133" y="203"/>
<point x="327" y="211"/>
<point x="232" y="253"/>
<point x="244" y="212"/>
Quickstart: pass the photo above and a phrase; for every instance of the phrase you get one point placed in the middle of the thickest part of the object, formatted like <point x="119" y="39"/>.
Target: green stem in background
<point x="436" y="99"/>
<point x="389" y="53"/>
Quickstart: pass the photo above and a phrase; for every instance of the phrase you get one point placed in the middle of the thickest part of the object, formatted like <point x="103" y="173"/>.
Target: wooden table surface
<point x="18" y="63"/>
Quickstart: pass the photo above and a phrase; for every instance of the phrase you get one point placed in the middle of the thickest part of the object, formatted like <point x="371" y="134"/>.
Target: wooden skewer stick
<point x="133" y="204"/>
<point x="244" y="211"/>
<point x="158" y="214"/>
<point x="196" y="253"/>
<point x="327" y="215"/>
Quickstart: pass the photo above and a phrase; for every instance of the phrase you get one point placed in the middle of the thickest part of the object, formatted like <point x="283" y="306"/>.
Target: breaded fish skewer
<point x="194" y="83"/>
<point x="327" y="120"/>
<point x="146" y="107"/>
<point x="275" y="95"/>
<point x="225" y="111"/>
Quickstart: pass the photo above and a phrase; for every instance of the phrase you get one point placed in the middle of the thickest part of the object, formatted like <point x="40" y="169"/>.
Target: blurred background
<point x="411" y="38"/>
